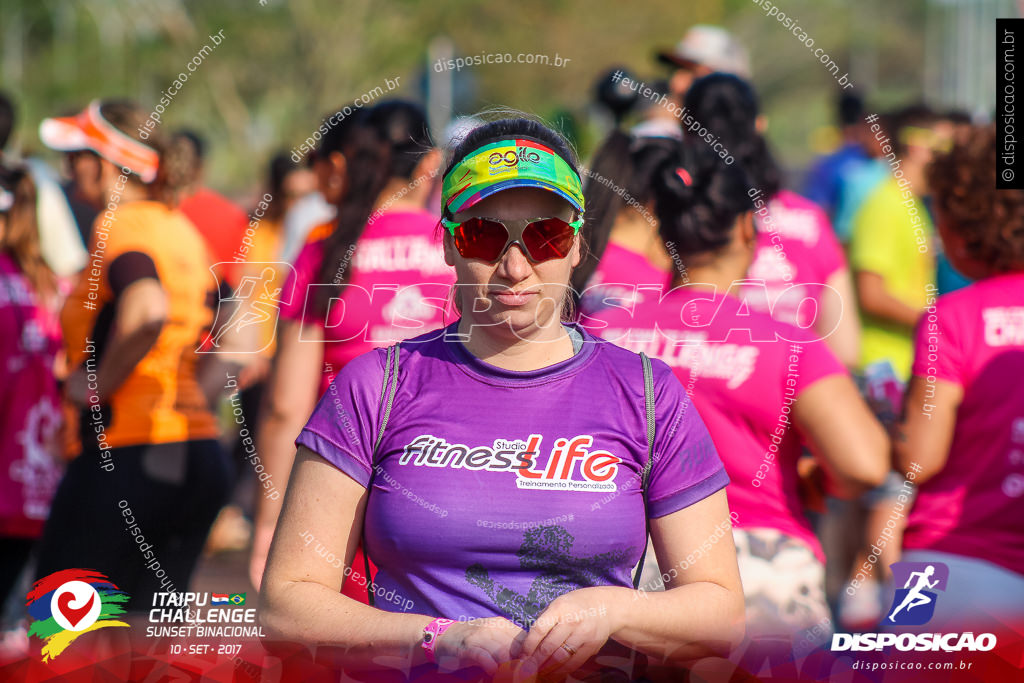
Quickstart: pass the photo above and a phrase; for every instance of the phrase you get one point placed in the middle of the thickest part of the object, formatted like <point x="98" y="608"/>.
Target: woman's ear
<point x="429" y="164"/>
<point x="339" y="170"/>
<point x="576" y="255"/>
<point x="747" y="232"/>
<point x="449" y="247"/>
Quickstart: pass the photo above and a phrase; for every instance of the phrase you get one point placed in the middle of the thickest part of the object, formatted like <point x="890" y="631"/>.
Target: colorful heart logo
<point x="73" y="614"/>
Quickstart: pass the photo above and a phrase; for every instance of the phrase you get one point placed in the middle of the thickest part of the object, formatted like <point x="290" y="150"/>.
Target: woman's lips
<point x="512" y="298"/>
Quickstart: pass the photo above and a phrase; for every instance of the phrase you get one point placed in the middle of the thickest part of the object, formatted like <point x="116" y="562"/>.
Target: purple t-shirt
<point x="496" y="491"/>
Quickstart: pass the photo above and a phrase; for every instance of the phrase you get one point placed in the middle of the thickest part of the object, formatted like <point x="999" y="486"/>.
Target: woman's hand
<point x="571" y="630"/>
<point x="76" y="388"/>
<point x="262" y="535"/>
<point x="486" y="643"/>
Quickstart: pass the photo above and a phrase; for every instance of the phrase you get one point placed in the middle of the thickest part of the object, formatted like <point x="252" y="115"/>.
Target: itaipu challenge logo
<point x="68" y="603"/>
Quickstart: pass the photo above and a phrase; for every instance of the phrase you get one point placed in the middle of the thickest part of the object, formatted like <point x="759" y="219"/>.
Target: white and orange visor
<point x="89" y="130"/>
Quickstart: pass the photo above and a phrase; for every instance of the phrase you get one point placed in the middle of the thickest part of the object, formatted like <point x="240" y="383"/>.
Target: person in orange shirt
<point x="149" y="475"/>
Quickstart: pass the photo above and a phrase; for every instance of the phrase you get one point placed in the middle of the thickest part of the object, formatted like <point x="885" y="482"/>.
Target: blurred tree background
<point x="284" y="63"/>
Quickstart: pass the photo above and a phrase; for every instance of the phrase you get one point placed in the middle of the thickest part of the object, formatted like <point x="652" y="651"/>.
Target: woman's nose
<point x="514" y="265"/>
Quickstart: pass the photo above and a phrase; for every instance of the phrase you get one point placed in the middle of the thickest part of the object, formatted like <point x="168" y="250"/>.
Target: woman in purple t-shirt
<point x="502" y="500"/>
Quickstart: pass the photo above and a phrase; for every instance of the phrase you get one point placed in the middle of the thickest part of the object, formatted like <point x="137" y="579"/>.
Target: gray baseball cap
<point x="709" y="46"/>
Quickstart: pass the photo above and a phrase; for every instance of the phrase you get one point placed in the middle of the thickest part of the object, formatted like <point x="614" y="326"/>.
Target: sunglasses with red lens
<point x="487" y="239"/>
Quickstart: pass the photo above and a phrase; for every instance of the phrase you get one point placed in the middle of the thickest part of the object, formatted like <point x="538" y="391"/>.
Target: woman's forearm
<point x="124" y="353"/>
<point x="276" y="443"/>
<point x="687" y="622"/>
<point x="310" y="612"/>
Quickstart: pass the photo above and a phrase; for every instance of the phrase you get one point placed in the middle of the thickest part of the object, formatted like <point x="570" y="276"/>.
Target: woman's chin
<point x="521" y="322"/>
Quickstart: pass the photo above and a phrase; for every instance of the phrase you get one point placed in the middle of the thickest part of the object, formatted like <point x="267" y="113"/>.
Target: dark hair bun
<point x="698" y="198"/>
<point x="614" y="94"/>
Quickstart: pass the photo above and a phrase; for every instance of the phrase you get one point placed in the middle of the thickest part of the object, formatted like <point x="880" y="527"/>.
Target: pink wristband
<point x="431" y="633"/>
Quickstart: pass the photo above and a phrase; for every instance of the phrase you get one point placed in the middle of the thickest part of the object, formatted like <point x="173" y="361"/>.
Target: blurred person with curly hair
<point x="963" y="426"/>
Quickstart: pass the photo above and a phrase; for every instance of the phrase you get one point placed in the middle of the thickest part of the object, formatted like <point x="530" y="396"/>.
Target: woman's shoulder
<point x="412" y="354"/>
<point x="613" y="360"/>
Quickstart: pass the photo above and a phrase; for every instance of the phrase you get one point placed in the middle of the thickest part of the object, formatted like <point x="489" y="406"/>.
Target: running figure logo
<point x="914" y="604"/>
<point x="255" y="301"/>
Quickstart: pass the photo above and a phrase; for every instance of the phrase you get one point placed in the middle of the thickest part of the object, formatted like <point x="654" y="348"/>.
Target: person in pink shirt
<point x="806" y="279"/>
<point x="962" y="433"/>
<point x="30" y="416"/>
<point x="375" y="277"/>
<point x="624" y="248"/>
<point x="808" y="260"/>
<point x="764" y="388"/>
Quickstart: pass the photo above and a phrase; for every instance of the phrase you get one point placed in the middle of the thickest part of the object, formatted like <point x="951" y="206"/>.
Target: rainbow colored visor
<point x="509" y="163"/>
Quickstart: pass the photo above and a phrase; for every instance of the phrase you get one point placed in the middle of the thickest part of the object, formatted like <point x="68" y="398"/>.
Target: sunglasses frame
<point x="520" y="225"/>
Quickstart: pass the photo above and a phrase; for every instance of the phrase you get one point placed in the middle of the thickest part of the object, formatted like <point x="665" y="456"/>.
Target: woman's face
<point x="299" y="183"/>
<point x="514" y="295"/>
<point x="955" y="248"/>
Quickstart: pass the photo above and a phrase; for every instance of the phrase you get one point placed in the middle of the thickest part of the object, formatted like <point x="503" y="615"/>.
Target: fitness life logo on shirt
<point x="914" y="605"/>
<point x="570" y="465"/>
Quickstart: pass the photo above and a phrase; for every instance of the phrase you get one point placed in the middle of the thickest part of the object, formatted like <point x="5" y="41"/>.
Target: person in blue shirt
<point x="826" y="173"/>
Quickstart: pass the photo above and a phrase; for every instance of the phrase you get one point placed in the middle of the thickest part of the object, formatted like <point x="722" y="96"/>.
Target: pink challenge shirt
<point x="616" y="277"/>
<point x="975" y="505"/>
<point x="398" y="287"/>
<point x="743" y="370"/>
<point x="30" y="417"/>
<point x="797" y="248"/>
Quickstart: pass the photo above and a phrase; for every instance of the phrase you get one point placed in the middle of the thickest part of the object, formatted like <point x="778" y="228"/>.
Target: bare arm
<point x="839" y="313"/>
<point x="232" y="352"/>
<point x="924" y="437"/>
<point x="289" y="400"/>
<point x="700" y="613"/>
<point x="876" y="300"/>
<point x="138" y="320"/>
<point x="301" y="590"/>
<point x="842" y="433"/>
<point x="301" y="596"/>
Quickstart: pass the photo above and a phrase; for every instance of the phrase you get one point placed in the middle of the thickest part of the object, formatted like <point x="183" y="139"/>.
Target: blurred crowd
<point x="163" y="345"/>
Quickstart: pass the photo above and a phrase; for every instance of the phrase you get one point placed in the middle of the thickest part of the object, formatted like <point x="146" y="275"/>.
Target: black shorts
<point x="164" y="495"/>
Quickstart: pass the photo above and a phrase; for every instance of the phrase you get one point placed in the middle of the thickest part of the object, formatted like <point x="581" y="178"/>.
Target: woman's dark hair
<point x="278" y="170"/>
<point x="727" y="107"/>
<point x="380" y="143"/>
<point x="20" y="236"/>
<point x="698" y="197"/>
<point x="622" y="174"/>
<point x="991" y="221"/>
<point x="6" y="119"/>
<point x="178" y="158"/>
<point x="404" y="125"/>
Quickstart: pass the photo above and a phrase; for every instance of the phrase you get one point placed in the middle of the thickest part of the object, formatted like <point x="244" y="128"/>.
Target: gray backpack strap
<point x="387" y="398"/>
<point x="645" y="473"/>
<point x="387" y="393"/>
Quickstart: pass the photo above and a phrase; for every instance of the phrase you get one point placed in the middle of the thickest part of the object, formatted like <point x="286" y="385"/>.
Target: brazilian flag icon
<point x="237" y="598"/>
